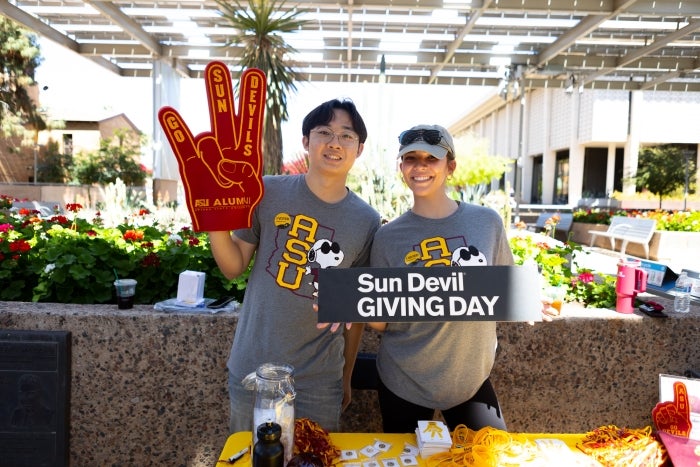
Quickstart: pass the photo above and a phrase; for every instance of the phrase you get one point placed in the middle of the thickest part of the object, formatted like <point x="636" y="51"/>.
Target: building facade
<point x="570" y="145"/>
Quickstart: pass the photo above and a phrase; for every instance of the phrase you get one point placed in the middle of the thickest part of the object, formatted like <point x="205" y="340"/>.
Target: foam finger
<point x="680" y="396"/>
<point x="217" y="79"/>
<point x="178" y="134"/>
<point x="251" y="113"/>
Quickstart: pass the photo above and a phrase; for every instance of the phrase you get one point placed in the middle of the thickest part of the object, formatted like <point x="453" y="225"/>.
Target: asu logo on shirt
<point x="302" y="247"/>
<point x="440" y="251"/>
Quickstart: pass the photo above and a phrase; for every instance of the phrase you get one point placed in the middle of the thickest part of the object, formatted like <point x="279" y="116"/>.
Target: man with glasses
<point x="302" y="222"/>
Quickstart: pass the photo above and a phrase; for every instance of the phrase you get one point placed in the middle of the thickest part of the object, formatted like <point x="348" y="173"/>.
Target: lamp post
<point x="36" y="160"/>
<point x="686" y="156"/>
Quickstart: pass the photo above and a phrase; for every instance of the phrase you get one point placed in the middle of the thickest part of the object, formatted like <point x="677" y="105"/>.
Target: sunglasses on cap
<point x="429" y="136"/>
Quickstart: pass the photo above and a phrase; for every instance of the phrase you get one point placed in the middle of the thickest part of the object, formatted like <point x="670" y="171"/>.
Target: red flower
<point x="91" y="233"/>
<point x="144" y="212"/>
<point x="60" y="220"/>
<point x="73" y="207"/>
<point x="194" y="241"/>
<point x="133" y="235"/>
<point x="20" y="245"/>
<point x="151" y="260"/>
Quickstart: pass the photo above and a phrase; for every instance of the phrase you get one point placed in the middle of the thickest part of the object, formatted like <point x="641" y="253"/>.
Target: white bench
<point x="628" y="230"/>
<point x="45" y="208"/>
<point x="562" y="228"/>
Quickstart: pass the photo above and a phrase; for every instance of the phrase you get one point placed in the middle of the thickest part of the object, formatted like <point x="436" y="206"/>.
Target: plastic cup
<point x="126" y="288"/>
<point x="555" y="296"/>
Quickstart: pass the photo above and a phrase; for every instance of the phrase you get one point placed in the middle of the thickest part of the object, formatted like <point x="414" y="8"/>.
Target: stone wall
<point x="149" y="388"/>
<point x="164" y="192"/>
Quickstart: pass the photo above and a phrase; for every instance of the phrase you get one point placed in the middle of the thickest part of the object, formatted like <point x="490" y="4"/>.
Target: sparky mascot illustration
<point x="468" y="256"/>
<point x="326" y="254"/>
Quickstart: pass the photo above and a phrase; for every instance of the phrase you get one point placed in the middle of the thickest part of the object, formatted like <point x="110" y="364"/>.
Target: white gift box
<point x="190" y="288"/>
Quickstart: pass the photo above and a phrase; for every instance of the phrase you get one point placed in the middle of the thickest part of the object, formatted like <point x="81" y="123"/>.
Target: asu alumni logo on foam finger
<point x="221" y="169"/>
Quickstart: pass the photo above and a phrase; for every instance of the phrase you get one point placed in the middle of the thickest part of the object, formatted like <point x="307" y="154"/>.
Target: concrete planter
<point x="580" y="235"/>
<point x="664" y="245"/>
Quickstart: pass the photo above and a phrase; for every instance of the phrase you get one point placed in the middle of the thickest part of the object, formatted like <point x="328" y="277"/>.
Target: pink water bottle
<point x="631" y="280"/>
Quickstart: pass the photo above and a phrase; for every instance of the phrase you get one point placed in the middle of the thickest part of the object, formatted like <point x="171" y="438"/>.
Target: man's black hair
<point x="323" y="114"/>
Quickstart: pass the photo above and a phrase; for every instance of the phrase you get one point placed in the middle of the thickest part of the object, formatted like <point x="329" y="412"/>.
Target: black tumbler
<point x="268" y="451"/>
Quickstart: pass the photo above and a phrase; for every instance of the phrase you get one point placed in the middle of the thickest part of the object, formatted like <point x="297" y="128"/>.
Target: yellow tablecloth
<point x="356" y="441"/>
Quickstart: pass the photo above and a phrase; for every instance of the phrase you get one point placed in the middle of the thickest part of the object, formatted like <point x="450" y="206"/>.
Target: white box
<point x="190" y="288"/>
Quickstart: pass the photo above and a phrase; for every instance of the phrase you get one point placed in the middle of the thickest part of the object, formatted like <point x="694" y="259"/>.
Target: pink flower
<point x="586" y="277"/>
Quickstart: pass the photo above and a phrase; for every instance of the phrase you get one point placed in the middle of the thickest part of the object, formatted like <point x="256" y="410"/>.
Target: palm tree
<point x="259" y="27"/>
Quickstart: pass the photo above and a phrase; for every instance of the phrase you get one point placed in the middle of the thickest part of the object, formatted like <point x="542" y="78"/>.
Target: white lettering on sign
<point x="460" y="306"/>
<point x="407" y="307"/>
<point x="368" y="283"/>
<point x="418" y="283"/>
<point x="400" y="306"/>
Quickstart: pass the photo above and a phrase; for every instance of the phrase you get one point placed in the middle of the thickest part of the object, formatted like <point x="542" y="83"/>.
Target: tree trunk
<point x="272" y="149"/>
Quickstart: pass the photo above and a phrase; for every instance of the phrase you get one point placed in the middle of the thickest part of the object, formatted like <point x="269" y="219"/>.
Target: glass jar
<point x="273" y="384"/>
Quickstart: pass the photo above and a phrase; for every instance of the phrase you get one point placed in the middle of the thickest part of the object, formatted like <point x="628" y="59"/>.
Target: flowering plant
<point x="679" y="221"/>
<point x="557" y="263"/>
<point x="72" y="259"/>
<point x="6" y="201"/>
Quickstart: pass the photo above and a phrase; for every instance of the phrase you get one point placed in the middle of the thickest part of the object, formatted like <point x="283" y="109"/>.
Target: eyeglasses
<point x="429" y="136"/>
<point x="345" y="138"/>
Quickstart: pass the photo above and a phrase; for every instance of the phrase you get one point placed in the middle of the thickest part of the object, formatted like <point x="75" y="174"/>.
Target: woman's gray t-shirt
<point x="439" y="365"/>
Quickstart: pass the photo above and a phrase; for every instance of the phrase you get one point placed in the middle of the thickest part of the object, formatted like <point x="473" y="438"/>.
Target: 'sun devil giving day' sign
<point x="486" y="293"/>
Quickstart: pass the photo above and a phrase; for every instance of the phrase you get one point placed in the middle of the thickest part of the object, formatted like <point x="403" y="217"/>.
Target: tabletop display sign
<point x="677" y="418"/>
<point x="661" y="279"/>
<point x="484" y="293"/>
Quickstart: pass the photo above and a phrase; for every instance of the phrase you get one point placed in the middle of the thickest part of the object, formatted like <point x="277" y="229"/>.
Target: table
<point x="356" y="441"/>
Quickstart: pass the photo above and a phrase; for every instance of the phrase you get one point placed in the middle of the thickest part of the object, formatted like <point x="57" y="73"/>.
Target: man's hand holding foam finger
<point x="221" y="169"/>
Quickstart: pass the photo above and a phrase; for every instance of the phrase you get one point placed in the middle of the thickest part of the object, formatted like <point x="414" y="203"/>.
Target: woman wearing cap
<point x="446" y="366"/>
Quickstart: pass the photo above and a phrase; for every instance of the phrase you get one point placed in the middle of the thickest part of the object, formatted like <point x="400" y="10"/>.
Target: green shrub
<point x="69" y="259"/>
<point x="556" y="265"/>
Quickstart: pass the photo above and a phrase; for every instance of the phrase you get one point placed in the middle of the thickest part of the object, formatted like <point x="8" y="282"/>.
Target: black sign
<point x="34" y="398"/>
<point x="477" y="293"/>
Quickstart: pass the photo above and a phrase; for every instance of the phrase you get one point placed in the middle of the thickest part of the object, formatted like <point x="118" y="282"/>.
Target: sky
<point x="77" y="88"/>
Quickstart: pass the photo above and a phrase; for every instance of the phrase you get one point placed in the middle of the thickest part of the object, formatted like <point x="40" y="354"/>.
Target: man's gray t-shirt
<point x="297" y="233"/>
<point x="439" y="365"/>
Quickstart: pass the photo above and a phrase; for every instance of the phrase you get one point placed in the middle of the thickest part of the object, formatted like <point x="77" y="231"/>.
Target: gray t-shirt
<point x="297" y="233"/>
<point x="439" y="365"/>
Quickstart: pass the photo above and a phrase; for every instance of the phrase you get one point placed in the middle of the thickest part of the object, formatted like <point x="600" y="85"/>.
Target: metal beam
<point x="583" y="28"/>
<point x="131" y="27"/>
<point x="638" y="53"/>
<point x="35" y="24"/>
<point x="454" y="45"/>
<point x="667" y="77"/>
